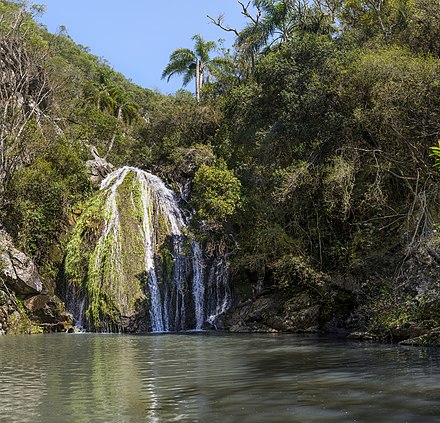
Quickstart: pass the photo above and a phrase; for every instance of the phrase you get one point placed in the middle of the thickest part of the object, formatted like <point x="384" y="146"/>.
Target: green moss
<point x="131" y="245"/>
<point x="82" y="252"/>
<point x="19" y="323"/>
<point x="109" y="268"/>
<point x="98" y="269"/>
<point x="87" y="231"/>
<point x="166" y="258"/>
<point x="163" y="230"/>
<point x="136" y="197"/>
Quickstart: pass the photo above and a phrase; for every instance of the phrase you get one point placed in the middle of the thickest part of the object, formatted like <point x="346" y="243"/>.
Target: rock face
<point x="19" y="272"/>
<point x="276" y="312"/>
<point x="410" y="309"/>
<point x="132" y="266"/>
<point x="98" y="168"/>
<point x="48" y="312"/>
<point x="25" y="306"/>
<point x="357" y="307"/>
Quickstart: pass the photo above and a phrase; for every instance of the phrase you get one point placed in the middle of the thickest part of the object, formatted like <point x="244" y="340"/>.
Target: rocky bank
<point x="401" y="306"/>
<point x="26" y="305"/>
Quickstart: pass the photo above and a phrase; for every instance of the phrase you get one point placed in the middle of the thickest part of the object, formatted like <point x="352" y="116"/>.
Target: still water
<point x="214" y="378"/>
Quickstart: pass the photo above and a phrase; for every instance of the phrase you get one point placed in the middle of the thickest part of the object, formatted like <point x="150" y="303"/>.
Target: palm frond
<point x="188" y="77"/>
<point x="180" y="61"/>
<point x="182" y="53"/>
<point x="202" y="48"/>
<point x="130" y="112"/>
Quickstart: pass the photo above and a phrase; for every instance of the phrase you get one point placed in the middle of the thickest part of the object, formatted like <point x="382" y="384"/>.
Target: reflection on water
<point x="214" y="378"/>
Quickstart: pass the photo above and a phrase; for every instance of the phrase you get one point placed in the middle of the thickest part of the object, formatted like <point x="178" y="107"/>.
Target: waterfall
<point x="198" y="286"/>
<point x="153" y="189"/>
<point x="219" y="296"/>
<point x="144" y="271"/>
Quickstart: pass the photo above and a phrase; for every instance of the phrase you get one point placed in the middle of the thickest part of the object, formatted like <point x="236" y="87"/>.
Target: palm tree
<point x="107" y="96"/>
<point x="278" y="21"/>
<point x="124" y="109"/>
<point x="194" y="64"/>
<point x="274" y="22"/>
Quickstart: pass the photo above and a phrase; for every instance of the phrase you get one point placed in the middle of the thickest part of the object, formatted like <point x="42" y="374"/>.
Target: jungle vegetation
<point x="307" y="149"/>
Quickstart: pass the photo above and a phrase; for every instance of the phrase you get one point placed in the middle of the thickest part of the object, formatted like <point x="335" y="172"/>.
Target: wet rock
<point x="18" y="270"/>
<point x="301" y="320"/>
<point x="263" y="308"/>
<point x="431" y="338"/>
<point x="361" y="336"/>
<point x="240" y="328"/>
<point x="46" y="309"/>
<point x="74" y="329"/>
<point x="409" y="330"/>
<point x="48" y="312"/>
<point x="208" y="326"/>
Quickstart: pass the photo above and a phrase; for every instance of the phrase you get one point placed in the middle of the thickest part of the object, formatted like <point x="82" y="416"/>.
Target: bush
<point x="216" y="193"/>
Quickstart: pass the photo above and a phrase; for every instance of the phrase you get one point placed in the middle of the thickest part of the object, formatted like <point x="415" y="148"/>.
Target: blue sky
<point x="137" y="36"/>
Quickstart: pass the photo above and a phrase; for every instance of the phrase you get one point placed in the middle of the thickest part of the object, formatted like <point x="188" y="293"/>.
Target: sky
<point x="137" y="37"/>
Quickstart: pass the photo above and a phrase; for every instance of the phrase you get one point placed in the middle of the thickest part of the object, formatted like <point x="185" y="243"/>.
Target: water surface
<point x="214" y="378"/>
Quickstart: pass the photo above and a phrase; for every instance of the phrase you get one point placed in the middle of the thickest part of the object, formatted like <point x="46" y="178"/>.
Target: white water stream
<point x="197" y="289"/>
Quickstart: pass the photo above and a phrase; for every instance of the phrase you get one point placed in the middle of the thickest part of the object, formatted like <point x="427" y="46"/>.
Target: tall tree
<point x="25" y="92"/>
<point x="272" y="22"/>
<point x="194" y="64"/>
<point x="388" y="19"/>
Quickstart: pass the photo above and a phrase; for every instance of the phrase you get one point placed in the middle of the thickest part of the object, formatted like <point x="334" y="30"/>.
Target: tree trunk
<point x="202" y="76"/>
<point x="112" y="141"/>
<point x="198" y="81"/>
<point x="378" y="8"/>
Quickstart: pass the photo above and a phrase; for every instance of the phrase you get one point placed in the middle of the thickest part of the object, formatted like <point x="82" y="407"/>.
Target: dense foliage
<point x="307" y="154"/>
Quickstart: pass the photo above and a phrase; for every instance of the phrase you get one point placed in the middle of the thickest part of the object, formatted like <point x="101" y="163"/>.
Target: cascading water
<point x="198" y="286"/>
<point x="132" y="266"/>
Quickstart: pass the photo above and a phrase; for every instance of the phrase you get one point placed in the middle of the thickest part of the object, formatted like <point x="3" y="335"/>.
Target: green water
<point x="214" y="378"/>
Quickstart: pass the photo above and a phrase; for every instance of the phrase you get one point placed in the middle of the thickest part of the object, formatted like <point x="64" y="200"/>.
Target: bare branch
<point x="25" y="94"/>
<point x="245" y="12"/>
<point x="219" y="22"/>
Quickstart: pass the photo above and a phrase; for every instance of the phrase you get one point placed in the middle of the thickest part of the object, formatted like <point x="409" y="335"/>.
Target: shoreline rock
<point x="429" y="339"/>
<point x="25" y="304"/>
<point x="18" y="271"/>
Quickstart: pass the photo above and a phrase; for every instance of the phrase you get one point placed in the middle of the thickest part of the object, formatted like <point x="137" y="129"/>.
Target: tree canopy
<point x="307" y="156"/>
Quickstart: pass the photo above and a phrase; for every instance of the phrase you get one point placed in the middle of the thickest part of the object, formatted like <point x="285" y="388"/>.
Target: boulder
<point x="98" y="168"/>
<point x="361" y="336"/>
<point x="429" y="339"/>
<point x="21" y="285"/>
<point x="46" y="309"/>
<point x="17" y="270"/>
<point x="270" y="312"/>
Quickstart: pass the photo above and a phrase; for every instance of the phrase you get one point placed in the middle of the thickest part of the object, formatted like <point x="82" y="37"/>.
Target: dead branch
<point x="219" y="22"/>
<point x="25" y="95"/>
<point x="245" y="12"/>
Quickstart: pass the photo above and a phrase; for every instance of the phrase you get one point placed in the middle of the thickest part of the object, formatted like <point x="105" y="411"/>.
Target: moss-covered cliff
<point x="130" y="263"/>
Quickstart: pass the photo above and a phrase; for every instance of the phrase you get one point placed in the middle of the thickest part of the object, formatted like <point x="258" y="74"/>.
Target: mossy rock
<point x="106" y="262"/>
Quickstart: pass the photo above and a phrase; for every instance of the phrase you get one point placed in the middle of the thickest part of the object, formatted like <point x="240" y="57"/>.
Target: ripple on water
<point x="214" y="378"/>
